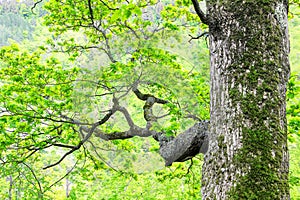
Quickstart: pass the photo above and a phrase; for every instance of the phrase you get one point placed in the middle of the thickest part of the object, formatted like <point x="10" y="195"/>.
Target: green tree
<point x="46" y="104"/>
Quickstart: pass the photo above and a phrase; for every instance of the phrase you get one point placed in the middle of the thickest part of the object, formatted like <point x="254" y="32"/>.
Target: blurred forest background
<point x="126" y="169"/>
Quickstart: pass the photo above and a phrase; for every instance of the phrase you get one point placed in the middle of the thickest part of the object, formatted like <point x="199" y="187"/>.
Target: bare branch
<point x="144" y="97"/>
<point x="149" y="102"/>
<point x="127" y="116"/>
<point x="103" y="33"/>
<point x="110" y="8"/>
<point x="63" y="157"/>
<point x="131" y="29"/>
<point x="188" y="170"/>
<point x="33" y="152"/>
<point x="113" y="136"/>
<point x="186" y="145"/>
<point x="76" y="48"/>
<point x="35" y="177"/>
<point x="64" y="146"/>
<point x="47" y="118"/>
<point x="194" y="117"/>
<point x="91" y="12"/>
<point x="34" y="5"/>
<point x="148" y="113"/>
<point x="135" y="131"/>
<point x="48" y="188"/>
<point x="199" y="12"/>
<point x="103" y="160"/>
<point x="199" y="36"/>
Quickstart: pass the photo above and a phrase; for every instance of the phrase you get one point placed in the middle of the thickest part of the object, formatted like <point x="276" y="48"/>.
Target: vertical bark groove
<point x="247" y="156"/>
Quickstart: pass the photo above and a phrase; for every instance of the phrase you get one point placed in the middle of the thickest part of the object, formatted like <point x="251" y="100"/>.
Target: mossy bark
<point x="247" y="156"/>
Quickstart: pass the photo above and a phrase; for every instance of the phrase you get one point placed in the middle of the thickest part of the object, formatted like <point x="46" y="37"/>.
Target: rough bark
<point x="186" y="145"/>
<point x="247" y="156"/>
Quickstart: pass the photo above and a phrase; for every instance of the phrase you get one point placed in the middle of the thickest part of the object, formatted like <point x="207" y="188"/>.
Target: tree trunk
<point x="247" y="156"/>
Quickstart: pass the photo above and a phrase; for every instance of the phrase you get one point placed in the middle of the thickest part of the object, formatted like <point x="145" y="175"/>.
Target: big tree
<point x="45" y="104"/>
<point x="249" y="47"/>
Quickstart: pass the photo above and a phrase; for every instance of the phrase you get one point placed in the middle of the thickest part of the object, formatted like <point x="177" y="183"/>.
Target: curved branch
<point x="63" y="157"/>
<point x="148" y="113"/>
<point x="126" y="115"/>
<point x="149" y="102"/>
<point x="199" y="12"/>
<point x="199" y="36"/>
<point x="186" y="145"/>
<point x="131" y="29"/>
<point x="48" y="188"/>
<point x="91" y="10"/>
<point x="35" y="177"/>
<point x="144" y="97"/>
<point x="34" y="5"/>
<point x="101" y="158"/>
<point x="106" y="5"/>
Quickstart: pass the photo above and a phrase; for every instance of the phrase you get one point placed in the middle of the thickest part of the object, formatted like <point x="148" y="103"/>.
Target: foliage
<point x="44" y="94"/>
<point x="293" y="118"/>
<point x="96" y="52"/>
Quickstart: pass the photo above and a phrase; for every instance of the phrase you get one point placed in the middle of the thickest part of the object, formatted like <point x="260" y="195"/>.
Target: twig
<point x="64" y="156"/>
<point x="188" y="171"/>
<point x="105" y="4"/>
<point x="101" y="158"/>
<point x="102" y="121"/>
<point x="196" y="38"/>
<point x="34" y="5"/>
<point x="35" y="177"/>
<point x="62" y="177"/>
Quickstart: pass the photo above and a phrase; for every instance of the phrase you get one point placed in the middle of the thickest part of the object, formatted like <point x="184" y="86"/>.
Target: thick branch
<point x="91" y="12"/>
<point x="186" y="145"/>
<point x="126" y="115"/>
<point x="144" y="97"/>
<point x="148" y="113"/>
<point x="133" y="130"/>
<point x="136" y="131"/>
<point x="199" y="12"/>
<point x="149" y="102"/>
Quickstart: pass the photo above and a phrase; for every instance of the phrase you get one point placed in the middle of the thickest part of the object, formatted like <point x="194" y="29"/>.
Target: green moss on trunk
<point x="255" y="85"/>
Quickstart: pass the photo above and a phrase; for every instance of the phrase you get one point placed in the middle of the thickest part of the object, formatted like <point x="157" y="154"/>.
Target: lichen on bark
<point x="247" y="156"/>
